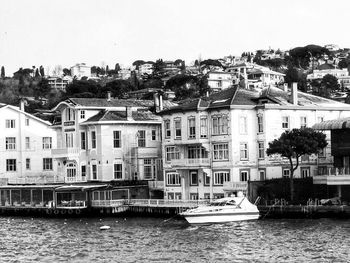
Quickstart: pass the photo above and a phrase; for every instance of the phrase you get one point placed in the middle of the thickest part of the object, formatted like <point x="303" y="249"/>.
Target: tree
<point x="2" y="72"/>
<point x="37" y="75"/>
<point x="66" y="72"/>
<point x="330" y="83"/>
<point x="117" y="67"/>
<point x="295" y="143"/>
<point x="41" y="70"/>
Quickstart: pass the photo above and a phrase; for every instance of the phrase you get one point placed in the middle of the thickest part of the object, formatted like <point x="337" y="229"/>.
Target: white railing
<point x="167" y="202"/>
<point x="108" y="203"/>
<point x="333" y="171"/>
<point x="191" y="162"/>
<point x="156" y="184"/>
<point x="36" y="180"/>
<point x="235" y="186"/>
<point x="65" y="152"/>
<point x="70" y="204"/>
<point x="74" y="179"/>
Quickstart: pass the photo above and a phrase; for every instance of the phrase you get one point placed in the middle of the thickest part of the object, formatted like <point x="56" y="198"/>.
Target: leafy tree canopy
<point x="295" y="143"/>
<point x="330" y="82"/>
<point x="211" y="62"/>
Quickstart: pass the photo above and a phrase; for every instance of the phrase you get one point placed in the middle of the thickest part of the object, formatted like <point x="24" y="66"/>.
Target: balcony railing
<point x="65" y="152"/>
<point x="74" y="179"/>
<point x="333" y="171"/>
<point x="235" y="186"/>
<point x="108" y="203"/>
<point x="36" y="180"/>
<point x="191" y="162"/>
<point x="156" y="184"/>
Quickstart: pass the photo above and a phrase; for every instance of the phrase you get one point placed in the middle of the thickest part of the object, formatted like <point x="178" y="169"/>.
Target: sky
<point x="106" y="32"/>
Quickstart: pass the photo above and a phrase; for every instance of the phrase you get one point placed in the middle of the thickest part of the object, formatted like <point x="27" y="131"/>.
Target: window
<point x="221" y="177"/>
<point x="71" y="171"/>
<point x="94" y="172"/>
<point x="27" y="142"/>
<point x="285" y="122"/>
<point x="69" y="140"/>
<point x="320" y="119"/>
<point x="93" y="139"/>
<point x="220" y="125"/>
<point x="285" y="173"/>
<point x="10" y="124"/>
<point x="27" y="122"/>
<point x="243" y="150"/>
<point x="141" y="136"/>
<point x="154" y="135"/>
<point x="244" y="176"/>
<point x="47" y="142"/>
<point x="47" y="164"/>
<point x="83" y="140"/>
<point x="322" y="153"/>
<point x="11" y="165"/>
<point x="10" y="143"/>
<point x="82" y="114"/>
<point x="193" y="178"/>
<point x="305" y="172"/>
<point x="243" y="125"/>
<point x="172" y="152"/>
<point x="118" y="171"/>
<point x="69" y="114"/>
<point x="196" y="152"/>
<point x="204" y="127"/>
<point x="206" y="179"/>
<point x="262" y="175"/>
<point x="83" y="171"/>
<point x="173" y="179"/>
<point x="260" y="124"/>
<point x="192" y="128"/>
<point x="149" y="168"/>
<point x="261" y="150"/>
<point x="177" y="125"/>
<point x="117" y="143"/>
<point x="303" y="122"/>
<point x="193" y="196"/>
<point x="167" y="129"/>
<point x="220" y="151"/>
<point x="27" y="164"/>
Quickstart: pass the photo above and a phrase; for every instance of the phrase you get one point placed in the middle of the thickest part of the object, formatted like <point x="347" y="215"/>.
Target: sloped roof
<point x="108" y="115"/>
<point x="337" y="124"/>
<point x="242" y="97"/>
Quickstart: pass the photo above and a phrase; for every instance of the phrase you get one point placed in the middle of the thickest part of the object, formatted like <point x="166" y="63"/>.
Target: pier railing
<point x="108" y="203"/>
<point x="167" y="203"/>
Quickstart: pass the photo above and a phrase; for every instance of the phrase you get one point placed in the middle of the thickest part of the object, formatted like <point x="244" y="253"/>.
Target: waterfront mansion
<point x="212" y="146"/>
<point x="25" y="147"/>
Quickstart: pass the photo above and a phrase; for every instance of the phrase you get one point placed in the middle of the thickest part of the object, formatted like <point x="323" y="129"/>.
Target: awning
<point x="68" y="188"/>
<point x="333" y="124"/>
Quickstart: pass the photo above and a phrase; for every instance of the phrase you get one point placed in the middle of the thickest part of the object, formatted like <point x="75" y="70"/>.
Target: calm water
<point x="157" y="240"/>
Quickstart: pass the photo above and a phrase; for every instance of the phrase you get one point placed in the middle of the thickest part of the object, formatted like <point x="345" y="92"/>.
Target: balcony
<point x="235" y="186"/>
<point x="191" y="162"/>
<point x="68" y="153"/>
<point x="36" y="180"/>
<point x="156" y="185"/>
<point x="332" y="176"/>
<point x="75" y="179"/>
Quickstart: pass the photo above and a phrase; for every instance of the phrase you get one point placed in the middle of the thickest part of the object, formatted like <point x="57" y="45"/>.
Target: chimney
<point x="160" y="102"/>
<point x="128" y="113"/>
<point x="156" y="102"/>
<point x="294" y="94"/>
<point x="21" y="105"/>
<point x="108" y="96"/>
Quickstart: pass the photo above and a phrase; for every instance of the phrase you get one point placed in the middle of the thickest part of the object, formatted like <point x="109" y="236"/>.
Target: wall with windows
<point x="25" y="145"/>
<point x="124" y="151"/>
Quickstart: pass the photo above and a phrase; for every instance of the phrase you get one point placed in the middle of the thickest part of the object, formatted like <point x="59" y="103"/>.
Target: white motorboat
<point x="223" y="210"/>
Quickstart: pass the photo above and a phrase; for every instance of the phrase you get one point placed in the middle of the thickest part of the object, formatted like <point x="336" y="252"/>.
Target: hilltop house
<point x="214" y="145"/>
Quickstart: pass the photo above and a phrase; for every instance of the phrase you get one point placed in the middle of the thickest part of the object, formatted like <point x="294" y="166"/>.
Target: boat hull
<point x="220" y="218"/>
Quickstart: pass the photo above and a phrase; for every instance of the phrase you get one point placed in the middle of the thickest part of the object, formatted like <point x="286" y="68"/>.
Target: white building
<point x="59" y="83"/>
<point x="213" y="146"/>
<point x="220" y="80"/>
<point x="25" y="147"/>
<point x="341" y="74"/>
<point x="80" y="70"/>
<point x="146" y="68"/>
<point x="108" y="140"/>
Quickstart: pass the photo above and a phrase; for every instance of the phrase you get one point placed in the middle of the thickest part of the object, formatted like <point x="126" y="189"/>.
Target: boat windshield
<point x="223" y="203"/>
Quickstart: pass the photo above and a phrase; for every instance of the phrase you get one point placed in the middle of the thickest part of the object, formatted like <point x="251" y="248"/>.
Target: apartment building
<point x="108" y="140"/>
<point x="25" y="147"/>
<point x="214" y="145"/>
<point x="80" y="70"/>
<point x="220" y="80"/>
